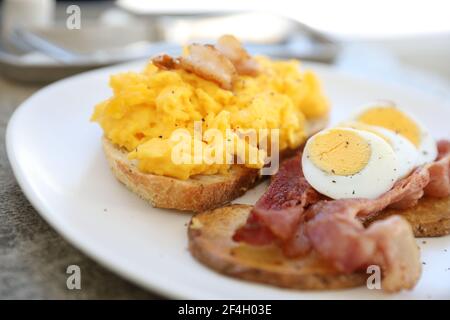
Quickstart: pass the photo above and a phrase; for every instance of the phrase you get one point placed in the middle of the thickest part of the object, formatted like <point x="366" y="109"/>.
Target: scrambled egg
<point x="147" y="107"/>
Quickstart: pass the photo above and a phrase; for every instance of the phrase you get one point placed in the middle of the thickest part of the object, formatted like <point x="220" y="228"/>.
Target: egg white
<point x="377" y="177"/>
<point x="405" y="150"/>
<point x="427" y="148"/>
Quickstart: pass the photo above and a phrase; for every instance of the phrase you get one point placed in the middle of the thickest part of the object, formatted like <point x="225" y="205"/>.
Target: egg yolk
<point x="393" y="119"/>
<point x="340" y="152"/>
<point x="364" y="127"/>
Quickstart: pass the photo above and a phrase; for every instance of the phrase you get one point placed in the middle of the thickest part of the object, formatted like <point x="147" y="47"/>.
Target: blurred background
<point x="406" y="42"/>
<point x="403" y="43"/>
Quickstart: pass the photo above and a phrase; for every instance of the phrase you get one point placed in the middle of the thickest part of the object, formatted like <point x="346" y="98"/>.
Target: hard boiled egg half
<point x="407" y="154"/>
<point x="350" y="163"/>
<point x="387" y="115"/>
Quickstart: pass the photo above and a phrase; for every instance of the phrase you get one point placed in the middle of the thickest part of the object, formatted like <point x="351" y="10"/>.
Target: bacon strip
<point x="279" y="210"/>
<point x="220" y="63"/>
<point x="299" y="219"/>
<point x="231" y="48"/>
<point x="439" y="185"/>
<point x="205" y="61"/>
<point x="208" y="63"/>
<point x="342" y="241"/>
<point x="335" y="231"/>
<point x="165" y="62"/>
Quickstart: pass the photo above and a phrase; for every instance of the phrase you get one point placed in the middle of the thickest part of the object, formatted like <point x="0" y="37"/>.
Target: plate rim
<point x="92" y="251"/>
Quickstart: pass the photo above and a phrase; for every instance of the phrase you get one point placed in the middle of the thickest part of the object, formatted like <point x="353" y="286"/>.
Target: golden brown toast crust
<point x="429" y="218"/>
<point x="210" y="241"/>
<point x="199" y="193"/>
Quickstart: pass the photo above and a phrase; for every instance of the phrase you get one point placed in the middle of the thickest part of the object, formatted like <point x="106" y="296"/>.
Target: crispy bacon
<point x="203" y="60"/>
<point x="165" y="62"/>
<point x="220" y="63"/>
<point x="335" y="231"/>
<point x="299" y="219"/>
<point x="389" y="244"/>
<point x="208" y="63"/>
<point x="279" y="210"/>
<point x="396" y="253"/>
<point x="231" y="48"/>
<point x="439" y="185"/>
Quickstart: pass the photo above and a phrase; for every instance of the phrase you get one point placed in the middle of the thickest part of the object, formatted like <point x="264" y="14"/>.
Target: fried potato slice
<point x="210" y="241"/>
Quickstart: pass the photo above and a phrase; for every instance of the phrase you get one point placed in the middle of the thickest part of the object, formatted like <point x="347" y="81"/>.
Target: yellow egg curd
<point x="146" y="108"/>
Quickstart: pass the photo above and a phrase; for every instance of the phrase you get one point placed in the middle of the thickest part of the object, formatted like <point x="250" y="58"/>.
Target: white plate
<point x="56" y="156"/>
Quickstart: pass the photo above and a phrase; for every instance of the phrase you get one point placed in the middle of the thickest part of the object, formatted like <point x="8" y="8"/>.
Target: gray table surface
<point x="33" y="257"/>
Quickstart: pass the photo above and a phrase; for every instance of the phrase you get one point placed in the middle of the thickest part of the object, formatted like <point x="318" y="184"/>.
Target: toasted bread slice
<point x="210" y="241"/>
<point x="198" y="193"/>
<point x="429" y="218"/>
